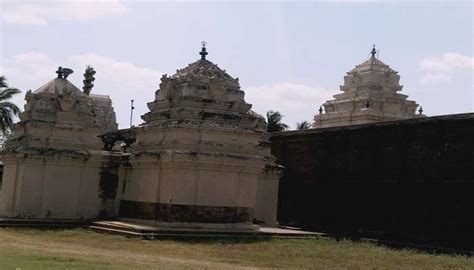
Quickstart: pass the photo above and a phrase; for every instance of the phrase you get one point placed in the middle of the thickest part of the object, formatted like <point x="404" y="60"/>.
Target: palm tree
<point x="274" y="122"/>
<point x="8" y="110"/>
<point x="303" y="125"/>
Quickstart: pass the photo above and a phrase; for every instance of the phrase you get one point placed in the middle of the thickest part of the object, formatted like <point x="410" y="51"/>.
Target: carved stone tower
<point x="53" y="158"/>
<point x="370" y="94"/>
<point x="201" y="156"/>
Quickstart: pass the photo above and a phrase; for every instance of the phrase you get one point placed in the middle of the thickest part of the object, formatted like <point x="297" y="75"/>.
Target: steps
<point x="152" y="232"/>
<point x="131" y="229"/>
<point x="134" y="229"/>
<point x="42" y="223"/>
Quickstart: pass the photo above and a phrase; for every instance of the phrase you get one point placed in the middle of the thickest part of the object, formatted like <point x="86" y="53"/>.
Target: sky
<point x="289" y="57"/>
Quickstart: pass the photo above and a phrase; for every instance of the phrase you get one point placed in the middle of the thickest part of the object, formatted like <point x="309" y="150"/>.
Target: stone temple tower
<point x="202" y="156"/>
<point x="53" y="159"/>
<point x="370" y="94"/>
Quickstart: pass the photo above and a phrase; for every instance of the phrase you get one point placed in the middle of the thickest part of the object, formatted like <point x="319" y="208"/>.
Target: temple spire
<point x="203" y="52"/>
<point x="374" y="51"/>
<point x="88" y="80"/>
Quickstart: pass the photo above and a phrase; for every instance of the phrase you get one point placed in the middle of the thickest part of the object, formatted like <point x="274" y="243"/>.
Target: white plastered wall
<point x="59" y="188"/>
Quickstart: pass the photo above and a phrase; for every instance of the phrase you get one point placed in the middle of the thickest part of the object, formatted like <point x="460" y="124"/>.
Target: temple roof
<point x="203" y="69"/>
<point x="373" y="64"/>
<point x="59" y="86"/>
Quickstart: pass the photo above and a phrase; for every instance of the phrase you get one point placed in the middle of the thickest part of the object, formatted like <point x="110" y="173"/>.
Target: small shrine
<point x="202" y="156"/>
<point x="52" y="161"/>
<point x="370" y="94"/>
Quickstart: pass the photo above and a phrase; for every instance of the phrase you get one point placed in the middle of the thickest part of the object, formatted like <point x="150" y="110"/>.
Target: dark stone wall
<point x="410" y="180"/>
<point x="108" y="185"/>
<point x="184" y="213"/>
<point x="1" y="176"/>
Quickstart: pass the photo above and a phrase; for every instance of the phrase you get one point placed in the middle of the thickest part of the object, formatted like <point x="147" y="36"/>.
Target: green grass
<point x="82" y="249"/>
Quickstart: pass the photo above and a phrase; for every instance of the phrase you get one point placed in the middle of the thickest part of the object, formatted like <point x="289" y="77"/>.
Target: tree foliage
<point x="8" y="110"/>
<point x="274" y="123"/>
<point x="303" y="125"/>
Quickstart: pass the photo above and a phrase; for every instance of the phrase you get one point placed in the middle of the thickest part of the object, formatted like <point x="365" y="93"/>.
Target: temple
<point x="52" y="162"/>
<point x="201" y="157"/>
<point x="370" y="94"/>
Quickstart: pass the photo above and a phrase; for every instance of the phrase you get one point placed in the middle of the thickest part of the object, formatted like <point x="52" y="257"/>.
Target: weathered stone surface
<point x="201" y="147"/>
<point x="202" y="156"/>
<point x="53" y="159"/>
<point x="184" y="213"/>
<point x="407" y="180"/>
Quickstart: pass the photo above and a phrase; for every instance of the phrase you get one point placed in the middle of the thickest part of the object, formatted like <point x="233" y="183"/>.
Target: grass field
<point x="82" y="249"/>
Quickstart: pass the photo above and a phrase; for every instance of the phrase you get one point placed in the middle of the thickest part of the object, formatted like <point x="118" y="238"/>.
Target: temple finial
<point x="203" y="52"/>
<point x="64" y="72"/>
<point x="60" y="72"/>
<point x="374" y="51"/>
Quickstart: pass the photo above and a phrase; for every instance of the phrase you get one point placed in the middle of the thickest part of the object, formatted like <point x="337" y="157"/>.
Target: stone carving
<point x="88" y="80"/>
<point x="110" y="138"/>
<point x="63" y="73"/>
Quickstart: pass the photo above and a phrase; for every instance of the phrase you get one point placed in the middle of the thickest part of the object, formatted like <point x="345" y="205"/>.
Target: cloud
<point x="433" y="78"/>
<point x="122" y="81"/>
<point x="122" y="73"/>
<point x="42" y="12"/>
<point x="31" y="66"/>
<point x="27" y="71"/>
<point x="297" y="102"/>
<point x="441" y="69"/>
<point x="448" y="62"/>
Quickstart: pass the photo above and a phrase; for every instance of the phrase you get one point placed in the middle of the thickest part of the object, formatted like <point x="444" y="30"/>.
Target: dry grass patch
<point x="82" y="249"/>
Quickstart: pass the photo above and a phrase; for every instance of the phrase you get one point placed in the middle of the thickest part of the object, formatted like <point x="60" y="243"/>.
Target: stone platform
<point x="135" y="229"/>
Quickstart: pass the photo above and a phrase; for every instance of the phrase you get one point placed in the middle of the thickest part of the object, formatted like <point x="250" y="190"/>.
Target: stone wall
<point x="55" y="186"/>
<point x="409" y="180"/>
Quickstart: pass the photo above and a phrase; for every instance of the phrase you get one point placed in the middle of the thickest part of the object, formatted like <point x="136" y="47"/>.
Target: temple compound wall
<point x="408" y="180"/>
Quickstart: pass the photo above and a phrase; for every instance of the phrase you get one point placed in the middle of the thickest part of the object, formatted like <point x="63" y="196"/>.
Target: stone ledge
<point x="440" y="118"/>
<point x="161" y="212"/>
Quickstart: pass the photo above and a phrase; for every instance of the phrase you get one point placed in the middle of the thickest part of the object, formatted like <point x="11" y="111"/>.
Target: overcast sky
<point x="290" y="57"/>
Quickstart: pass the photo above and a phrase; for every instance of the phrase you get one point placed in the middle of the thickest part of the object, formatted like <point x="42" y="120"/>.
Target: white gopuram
<point x="370" y="94"/>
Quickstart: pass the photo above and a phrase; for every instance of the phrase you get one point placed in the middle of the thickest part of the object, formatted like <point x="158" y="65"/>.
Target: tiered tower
<point x="370" y="94"/>
<point x="202" y="156"/>
<point x="53" y="158"/>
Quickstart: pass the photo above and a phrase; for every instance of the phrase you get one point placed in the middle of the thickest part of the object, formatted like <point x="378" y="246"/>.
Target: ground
<point x="83" y="249"/>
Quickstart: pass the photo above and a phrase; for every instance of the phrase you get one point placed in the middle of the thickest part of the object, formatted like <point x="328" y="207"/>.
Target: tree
<point x="8" y="110"/>
<point x="274" y="123"/>
<point x="303" y="125"/>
